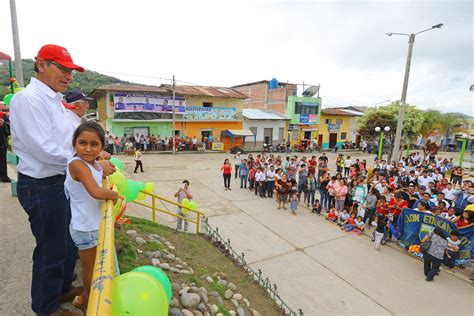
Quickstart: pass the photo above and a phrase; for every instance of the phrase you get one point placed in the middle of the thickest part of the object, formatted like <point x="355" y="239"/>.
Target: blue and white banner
<point x="414" y="225"/>
<point x="139" y="102"/>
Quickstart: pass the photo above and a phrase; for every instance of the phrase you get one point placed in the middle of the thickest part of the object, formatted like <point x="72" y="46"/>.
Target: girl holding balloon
<point x="83" y="186"/>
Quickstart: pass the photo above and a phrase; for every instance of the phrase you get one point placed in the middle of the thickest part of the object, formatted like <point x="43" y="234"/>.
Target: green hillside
<point x="85" y="81"/>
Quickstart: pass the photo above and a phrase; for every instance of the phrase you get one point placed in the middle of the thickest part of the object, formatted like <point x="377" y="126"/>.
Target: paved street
<point x="316" y="266"/>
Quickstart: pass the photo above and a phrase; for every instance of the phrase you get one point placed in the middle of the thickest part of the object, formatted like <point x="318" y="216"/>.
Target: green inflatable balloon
<point x="7" y="98"/>
<point x="193" y="205"/>
<point x="160" y="276"/>
<point x="119" y="180"/>
<point x="185" y="202"/>
<point x="132" y="191"/>
<point x="138" y="293"/>
<point x="117" y="163"/>
<point x="141" y="185"/>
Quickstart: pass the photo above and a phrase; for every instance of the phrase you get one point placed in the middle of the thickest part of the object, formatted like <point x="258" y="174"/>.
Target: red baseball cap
<point x="59" y="55"/>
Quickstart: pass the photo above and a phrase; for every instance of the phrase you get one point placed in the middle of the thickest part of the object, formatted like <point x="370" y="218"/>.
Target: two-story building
<point x="305" y="118"/>
<point x="337" y="126"/>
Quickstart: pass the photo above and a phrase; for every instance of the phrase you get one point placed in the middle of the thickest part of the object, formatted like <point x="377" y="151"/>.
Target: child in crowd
<point x="380" y="230"/>
<point x="451" y="253"/>
<point x="316" y="207"/>
<point x="294" y="202"/>
<point x="332" y="215"/>
<point x="343" y="217"/>
<point x="349" y="223"/>
<point x="252" y="173"/>
<point x="83" y="186"/>
<point x="359" y="225"/>
<point x="449" y="215"/>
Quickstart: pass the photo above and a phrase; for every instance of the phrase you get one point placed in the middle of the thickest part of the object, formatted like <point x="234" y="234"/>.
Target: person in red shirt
<point x="227" y="172"/>
<point x="465" y="219"/>
<point x="397" y="204"/>
<point x="312" y="165"/>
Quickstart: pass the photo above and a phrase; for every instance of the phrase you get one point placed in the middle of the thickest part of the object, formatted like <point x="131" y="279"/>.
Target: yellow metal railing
<point x="100" y="296"/>
<point x="154" y="208"/>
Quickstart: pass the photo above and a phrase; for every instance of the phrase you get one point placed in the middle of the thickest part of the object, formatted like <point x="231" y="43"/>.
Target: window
<point x="328" y="121"/>
<point x="306" y="108"/>
<point x="298" y="106"/>
<point x="338" y="121"/>
<point x="207" y="104"/>
<point x="343" y="136"/>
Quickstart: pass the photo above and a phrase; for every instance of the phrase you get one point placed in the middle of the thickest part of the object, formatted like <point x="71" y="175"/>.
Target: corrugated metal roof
<point x="217" y="92"/>
<point x="259" y="114"/>
<point x="340" y="112"/>
<point x="127" y="88"/>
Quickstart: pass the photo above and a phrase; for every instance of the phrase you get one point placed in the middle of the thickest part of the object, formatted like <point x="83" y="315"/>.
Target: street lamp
<point x="463" y="148"/>
<point x="381" y="102"/>
<point x="379" y="130"/>
<point x="401" y="114"/>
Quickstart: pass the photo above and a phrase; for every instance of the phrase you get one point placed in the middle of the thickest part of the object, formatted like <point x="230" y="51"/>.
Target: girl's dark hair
<point x="89" y="126"/>
<point x="438" y="231"/>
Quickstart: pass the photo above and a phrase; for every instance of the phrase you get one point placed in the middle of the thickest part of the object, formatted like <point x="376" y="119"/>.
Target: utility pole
<point x="174" y="118"/>
<point x="401" y="113"/>
<point x="16" y="45"/>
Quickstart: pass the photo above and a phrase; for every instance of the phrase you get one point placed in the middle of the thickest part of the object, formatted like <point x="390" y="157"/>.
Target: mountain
<point x="86" y="81"/>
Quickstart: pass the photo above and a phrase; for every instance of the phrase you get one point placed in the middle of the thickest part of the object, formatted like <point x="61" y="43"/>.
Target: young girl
<point x="350" y="223"/>
<point x="359" y="225"/>
<point x="332" y="215"/>
<point x="316" y="207"/>
<point x="294" y="202"/>
<point x="83" y="185"/>
<point x="138" y="161"/>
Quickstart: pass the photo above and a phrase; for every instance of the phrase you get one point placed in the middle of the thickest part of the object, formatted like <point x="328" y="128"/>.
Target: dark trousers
<point x="3" y="161"/>
<point x="227" y="181"/>
<point x="270" y="187"/>
<point x="263" y="188"/>
<point x="339" y="169"/>
<point x="251" y="184"/>
<point x="243" y="181"/>
<point x="431" y="265"/>
<point x="369" y="214"/>
<point x="257" y="186"/>
<point x="138" y="163"/>
<point x="54" y="256"/>
<point x="236" y="171"/>
<point x="324" y="199"/>
<point x="331" y="200"/>
<point x="346" y="171"/>
<point x="449" y="262"/>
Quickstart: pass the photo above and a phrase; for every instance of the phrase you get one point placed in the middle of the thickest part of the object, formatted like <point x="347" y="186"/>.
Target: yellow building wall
<point x="192" y="129"/>
<point x="345" y="127"/>
<point x="102" y="108"/>
<point x="216" y="102"/>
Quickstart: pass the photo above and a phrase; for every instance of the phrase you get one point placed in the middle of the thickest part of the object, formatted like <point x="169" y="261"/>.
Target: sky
<point x="341" y="45"/>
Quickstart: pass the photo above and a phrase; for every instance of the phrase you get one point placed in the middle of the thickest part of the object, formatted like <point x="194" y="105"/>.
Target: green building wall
<point x="156" y="128"/>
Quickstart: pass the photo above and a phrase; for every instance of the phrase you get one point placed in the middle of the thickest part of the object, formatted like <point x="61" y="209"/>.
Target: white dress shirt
<point x="42" y="131"/>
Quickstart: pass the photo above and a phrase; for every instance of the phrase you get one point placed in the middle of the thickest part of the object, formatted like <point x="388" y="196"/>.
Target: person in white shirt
<point x="42" y="132"/>
<point x="449" y="193"/>
<point x="77" y="104"/>
<point x="270" y="181"/>
<point x="424" y="179"/>
<point x="347" y="166"/>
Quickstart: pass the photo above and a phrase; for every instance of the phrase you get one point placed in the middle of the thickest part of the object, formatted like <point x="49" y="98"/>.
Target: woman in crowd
<point x="433" y="257"/>
<point x="323" y="192"/>
<point x="226" y="172"/>
<point x="283" y="187"/>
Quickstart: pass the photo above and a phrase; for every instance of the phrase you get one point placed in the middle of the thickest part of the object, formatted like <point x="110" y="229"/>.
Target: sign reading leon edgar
<point x="139" y="102"/>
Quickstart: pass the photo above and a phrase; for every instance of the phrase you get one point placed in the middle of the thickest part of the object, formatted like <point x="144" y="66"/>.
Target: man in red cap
<point x="42" y="132"/>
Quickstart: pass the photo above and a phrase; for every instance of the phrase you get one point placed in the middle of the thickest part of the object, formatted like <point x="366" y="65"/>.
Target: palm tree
<point x="450" y="123"/>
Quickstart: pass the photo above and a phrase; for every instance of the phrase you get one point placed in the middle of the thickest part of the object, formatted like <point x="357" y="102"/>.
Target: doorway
<point x="332" y="140"/>
<point x="358" y="139"/>
<point x="267" y="135"/>
<point x="307" y="135"/>
<point x="320" y="140"/>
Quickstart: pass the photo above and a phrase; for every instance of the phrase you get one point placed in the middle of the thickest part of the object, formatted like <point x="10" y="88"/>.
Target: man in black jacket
<point x="4" y="133"/>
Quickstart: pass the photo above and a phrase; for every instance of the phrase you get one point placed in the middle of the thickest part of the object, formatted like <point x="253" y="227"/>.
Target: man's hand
<point x="108" y="167"/>
<point x="104" y="156"/>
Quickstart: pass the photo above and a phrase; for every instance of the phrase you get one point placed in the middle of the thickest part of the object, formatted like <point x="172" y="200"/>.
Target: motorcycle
<point x="267" y="148"/>
<point x="281" y="148"/>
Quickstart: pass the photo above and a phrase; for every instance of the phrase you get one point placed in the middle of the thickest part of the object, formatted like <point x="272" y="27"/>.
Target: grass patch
<point x="199" y="254"/>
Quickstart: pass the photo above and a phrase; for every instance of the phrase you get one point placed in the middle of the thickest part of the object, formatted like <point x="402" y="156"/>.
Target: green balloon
<point x="138" y="293"/>
<point x="7" y="98"/>
<point x="141" y="185"/>
<point x="119" y="180"/>
<point x="132" y="191"/>
<point x="160" y="276"/>
<point x="185" y="202"/>
<point x="117" y="163"/>
<point x="193" y="205"/>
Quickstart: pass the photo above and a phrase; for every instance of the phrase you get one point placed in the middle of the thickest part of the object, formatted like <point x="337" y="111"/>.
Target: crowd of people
<point x="357" y="196"/>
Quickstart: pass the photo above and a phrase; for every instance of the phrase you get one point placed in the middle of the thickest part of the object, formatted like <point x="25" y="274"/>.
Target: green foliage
<point x="86" y="81"/>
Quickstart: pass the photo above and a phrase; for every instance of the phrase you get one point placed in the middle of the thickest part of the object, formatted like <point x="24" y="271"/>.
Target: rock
<point x="157" y="254"/>
<point x="155" y="262"/>
<point x="184" y="272"/>
<point x="220" y="301"/>
<point x="140" y="241"/>
<point x="219" y="314"/>
<point x="172" y="247"/>
<point x="174" y="303"/>
<point x="173" y="269"/>
<point x="214" y="307"/>
<point x="187" y="312"/>
<point x="246" y="302"/>
<point x="165" y="266"/>
<point x="232" y="313"/>
<point x="240" y="311"/>
<point x="197" y="313"/>
<point x="170" y="256"/>
<point x="155" y="241"/>
<point x="237" y="296"/>
<point x="194" y="289"/>
<point x="175" y="312"/>
<point x="202" y="307"/>
<point x="228" y="294"/>
<point x="214" y="294"/>
<point x="183" y="290"/>
<point x="148" y="254"/>
<point x="155" y="236"/>
<point x="204" y="297"/>
<point x="254" y="312"/>
<point x="175" y="286"/>
<point x="190" y="299"/>
<point x="132" y="233"/>
<point x="234" y="301"/>
<point x="191" y="270"/>
<point x="231" y="286"/>
<point x="222" y="282"/>
<point x="203" y="290"/>
<point x="207" y="314"/>
<point x="163" y="255"/>
<point x="179" y="266"/>
<point x="209" y="279"/>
